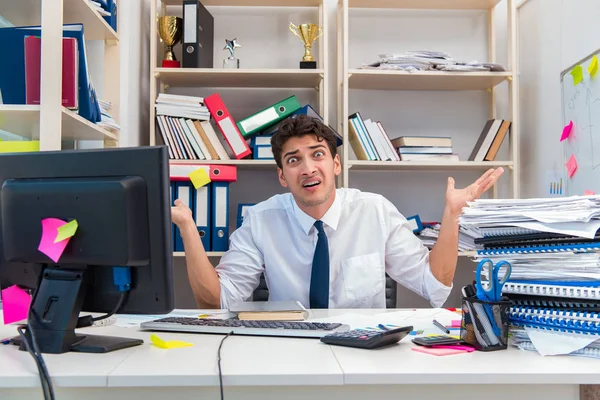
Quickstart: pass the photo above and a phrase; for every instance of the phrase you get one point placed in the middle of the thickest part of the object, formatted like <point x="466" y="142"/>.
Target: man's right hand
<point x="181" y="214"/>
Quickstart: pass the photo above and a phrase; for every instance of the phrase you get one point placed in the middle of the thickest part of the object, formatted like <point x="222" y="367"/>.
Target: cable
<point x="88" y="320"/>
<point x="36" y="349"/>
<point x="219" y="363"/>
<point x="45" y="381"/>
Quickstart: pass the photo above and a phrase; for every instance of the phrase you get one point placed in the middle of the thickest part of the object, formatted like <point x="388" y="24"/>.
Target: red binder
<point x="216" y="172"/>
<point x="227" y="126"/>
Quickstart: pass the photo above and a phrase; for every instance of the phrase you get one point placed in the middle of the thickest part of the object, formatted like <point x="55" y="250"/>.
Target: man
<point x="323" y="246"/>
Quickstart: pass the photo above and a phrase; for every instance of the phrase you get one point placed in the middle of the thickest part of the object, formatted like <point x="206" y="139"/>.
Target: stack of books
<point x="424" y="148"/>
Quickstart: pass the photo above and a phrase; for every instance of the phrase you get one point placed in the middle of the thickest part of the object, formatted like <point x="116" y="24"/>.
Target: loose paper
<point x="15" y="304"/>
<point x="593" y="68"/>
<point x="49" y="233"/>
<point x="577" y="74"/>
<point x="571" y="166"/>
<point x="66" y="231"/>
<point x="566" y="131"/>
<point x="199" y="177"/>
<point x="171" y="344"/>
<point x="555" y="343"/>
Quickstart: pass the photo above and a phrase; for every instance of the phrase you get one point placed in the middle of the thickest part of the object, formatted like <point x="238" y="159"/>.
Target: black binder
<point x="198" y="35"/>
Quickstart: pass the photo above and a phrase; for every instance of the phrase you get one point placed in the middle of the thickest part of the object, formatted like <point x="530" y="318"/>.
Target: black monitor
<point x="120" y="255"/>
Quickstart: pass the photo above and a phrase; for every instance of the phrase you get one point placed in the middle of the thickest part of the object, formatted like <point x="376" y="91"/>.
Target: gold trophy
<point x="170" y="31"/>
<point x="308" y="33"/>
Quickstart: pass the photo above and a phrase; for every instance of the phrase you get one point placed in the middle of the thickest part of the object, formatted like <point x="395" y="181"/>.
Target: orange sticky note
<point x="66" y="231"/>
<point x="566" y="131"/>
<point x="571" y="165"/>
<point x="49" y="233"/>
<point x="577" y="74"/>
<point x="170" y="344"/>
<point x="593" y="67"/>
<point x="588" y="192"/>
<point x="15" y="304"/>
<point x="199" y="177"/>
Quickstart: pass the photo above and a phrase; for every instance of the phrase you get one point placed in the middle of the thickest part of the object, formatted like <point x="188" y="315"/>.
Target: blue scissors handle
<point x="496" y="280"/>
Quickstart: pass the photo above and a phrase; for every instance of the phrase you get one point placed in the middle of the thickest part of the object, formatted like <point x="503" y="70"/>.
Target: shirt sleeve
<point x="407" y="258"/>
<point x="241" y="266"/>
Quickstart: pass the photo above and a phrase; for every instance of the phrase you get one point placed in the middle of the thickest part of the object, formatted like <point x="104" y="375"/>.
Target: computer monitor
<point x="121" y="200"/>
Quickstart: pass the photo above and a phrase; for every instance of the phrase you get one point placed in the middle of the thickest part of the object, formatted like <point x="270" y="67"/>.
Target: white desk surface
<point x="267" y="361"/>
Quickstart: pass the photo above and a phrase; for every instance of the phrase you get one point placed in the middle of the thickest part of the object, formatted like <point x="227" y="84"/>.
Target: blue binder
<point x="242" y="207"/>
<point x="220" y="216"/>
<point x="202" y="215"/>
<point x="111" y="7"/>
<point x="173" y="226"/>
<point x="184" y="191"/>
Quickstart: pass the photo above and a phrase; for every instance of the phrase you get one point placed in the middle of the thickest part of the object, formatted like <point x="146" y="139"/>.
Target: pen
<point x="381" y="326"/>
<point x="442" y="327"/>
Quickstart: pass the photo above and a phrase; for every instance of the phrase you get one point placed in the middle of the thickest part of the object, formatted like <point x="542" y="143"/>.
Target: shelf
<point x="424" y="80"/>
<point x="28" y="12"/>
<point x="256" y="78"/>
<point x="425" y="4"/>
<point x="208" y="253"/>
<point x="24" y="120"/>
<point x="252" y="3"/>
<point x="432" y="165"/>
<point x="245" y="164"/>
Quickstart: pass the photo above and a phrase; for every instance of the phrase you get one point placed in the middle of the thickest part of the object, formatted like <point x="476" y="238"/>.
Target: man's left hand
<point x="456" y="199"/>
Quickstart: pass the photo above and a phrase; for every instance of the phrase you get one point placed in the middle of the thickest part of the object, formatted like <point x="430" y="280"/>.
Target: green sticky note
<point x="66" y="231"/>
<point x="593" y="67"/>
<point x="577" y="74"/>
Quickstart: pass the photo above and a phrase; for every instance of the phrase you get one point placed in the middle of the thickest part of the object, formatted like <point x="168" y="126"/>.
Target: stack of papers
<point x="466" y="241"/>
<point x="424" y="60"/>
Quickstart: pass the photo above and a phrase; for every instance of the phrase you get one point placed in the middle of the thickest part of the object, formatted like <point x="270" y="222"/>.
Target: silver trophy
<point x="231" y="61"/>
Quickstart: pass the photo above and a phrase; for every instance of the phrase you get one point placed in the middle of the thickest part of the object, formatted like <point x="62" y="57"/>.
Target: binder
<point x="202" y="215"/>
<point x="198" y="35"/>
<point x="242" y="209"/>
<point x="552" y="290"/>
<point x="185" y="192"/>
<point x="271" y="115"/>
<point x="555" y="313"/>
<point x="228" y="128"/>
<point x="111" y="7"/>
<point x="556" y="324"/>
<point x="554" y="302"/>
<point x="262" y="153"/>
<point x="220" y="216"/>
<point x="216" y="172"/>
<point x="173" y="226"/>
<point x="581" y="247"/>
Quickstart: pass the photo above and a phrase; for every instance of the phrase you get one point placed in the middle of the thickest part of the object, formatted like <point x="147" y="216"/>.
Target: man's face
<point x="309" y="170"/>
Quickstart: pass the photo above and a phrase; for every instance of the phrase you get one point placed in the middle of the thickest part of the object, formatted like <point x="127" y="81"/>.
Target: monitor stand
<point x="54" y="313"/>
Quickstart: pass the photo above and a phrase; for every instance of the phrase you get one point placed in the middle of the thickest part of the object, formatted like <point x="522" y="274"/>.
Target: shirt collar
<point x="331" y="217"/>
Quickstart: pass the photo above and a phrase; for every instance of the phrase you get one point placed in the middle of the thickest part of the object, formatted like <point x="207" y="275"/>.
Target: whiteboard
<point x="581" y="104"/>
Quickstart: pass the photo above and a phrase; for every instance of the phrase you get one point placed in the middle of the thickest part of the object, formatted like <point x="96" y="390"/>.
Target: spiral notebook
<point x="556" y="313"/>
<point x="557" y="324"/>
<point x="554" y="302"/>
<point x="505" y="231"/>
<point x="549" y="248"/>
<point x="550" y="290"/>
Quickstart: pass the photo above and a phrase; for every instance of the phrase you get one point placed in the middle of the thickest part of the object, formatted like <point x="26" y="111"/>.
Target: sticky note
<point x="456" y="323"/>
<point x="571" y="165"/>
<point x="66" y="231"/>
<point x="15" y="304"/>
<point x="588" y="192"/>
<point x="438" y="351"/>
<point x="170" y="344"/>
<point x="566" y="131"/>
<point x="199" y="177"/>
<point x="593" y="67"/>
<point x="577" y="74"/>
<point x="49" y="233"/>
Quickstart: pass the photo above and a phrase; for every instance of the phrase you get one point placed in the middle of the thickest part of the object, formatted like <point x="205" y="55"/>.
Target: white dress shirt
<point x="367" y="237"/>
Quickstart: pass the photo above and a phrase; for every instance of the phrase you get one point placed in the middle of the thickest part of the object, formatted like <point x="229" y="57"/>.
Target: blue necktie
<point x="319" y="278"/>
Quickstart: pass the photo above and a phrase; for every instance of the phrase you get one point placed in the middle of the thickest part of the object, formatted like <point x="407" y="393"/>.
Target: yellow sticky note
<point x="199" y="177"/>
<point x="593" y="67"/>
<point x="66" y="231"/>
<point x="577" y="74"/>
<point x="170" y="344"/>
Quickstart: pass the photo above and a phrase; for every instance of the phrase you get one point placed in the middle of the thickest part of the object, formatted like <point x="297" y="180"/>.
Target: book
<point x="442" y="141"/>
<point x="269" y="310"/>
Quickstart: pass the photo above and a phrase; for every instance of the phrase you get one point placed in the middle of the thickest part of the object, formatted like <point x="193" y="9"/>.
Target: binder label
<point x="235" y="140"/>
<point x="260" y="119"/>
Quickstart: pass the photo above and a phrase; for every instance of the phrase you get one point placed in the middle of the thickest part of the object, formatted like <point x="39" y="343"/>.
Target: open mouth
<point x="311" y="184"/>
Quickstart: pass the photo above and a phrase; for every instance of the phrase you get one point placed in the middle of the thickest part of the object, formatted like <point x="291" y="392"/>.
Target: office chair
<point x="261" y="293"/>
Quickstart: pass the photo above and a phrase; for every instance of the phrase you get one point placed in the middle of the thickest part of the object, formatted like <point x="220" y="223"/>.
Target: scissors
<point x="496" y="280"/>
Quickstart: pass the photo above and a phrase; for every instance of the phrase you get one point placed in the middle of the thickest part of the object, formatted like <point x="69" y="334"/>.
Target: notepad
<point x="438" y="351"/>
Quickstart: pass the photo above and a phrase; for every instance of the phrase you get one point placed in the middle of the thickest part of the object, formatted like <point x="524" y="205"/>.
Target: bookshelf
<point x="351" y="78"/>
<point x="59" y="123"/>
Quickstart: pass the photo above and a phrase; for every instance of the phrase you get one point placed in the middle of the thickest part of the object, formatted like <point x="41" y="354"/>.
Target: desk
<point x="281" y="368"/>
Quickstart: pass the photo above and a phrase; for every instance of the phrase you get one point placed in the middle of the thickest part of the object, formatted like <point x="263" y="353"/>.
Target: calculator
<point x="436" y="340"/>
<point x="367" y="339"/>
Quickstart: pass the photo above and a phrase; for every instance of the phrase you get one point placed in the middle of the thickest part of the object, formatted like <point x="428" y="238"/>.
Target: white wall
<point x="554" y="34"/>
<point x="266" y="42"/>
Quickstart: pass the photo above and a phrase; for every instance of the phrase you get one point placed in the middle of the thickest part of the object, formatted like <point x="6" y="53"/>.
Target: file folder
<point x="242" y="209"/>
<point x="227" y="126"/>
<point x="220" y="216"/>
<point x="184" y="192"/>
<point x="198" y="35"/>
<point x="268" y="116"/>
<point x="202" y="215"/>
<point x="216" y="172"/>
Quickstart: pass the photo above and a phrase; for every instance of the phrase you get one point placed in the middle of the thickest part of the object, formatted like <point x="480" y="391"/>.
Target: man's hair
<point x="298" y="126"/>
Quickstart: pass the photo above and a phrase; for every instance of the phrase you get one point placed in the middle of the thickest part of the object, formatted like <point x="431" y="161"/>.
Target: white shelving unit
<point x="163" y="79"/>
<point x="50" y="122"/>
<point x="350" y="78"/>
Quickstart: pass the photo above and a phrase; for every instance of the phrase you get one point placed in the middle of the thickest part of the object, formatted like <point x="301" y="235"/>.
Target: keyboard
<point x="299" y="329"/>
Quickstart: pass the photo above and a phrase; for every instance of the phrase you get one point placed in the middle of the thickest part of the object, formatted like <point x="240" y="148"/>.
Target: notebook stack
<point x="553" y="247"/>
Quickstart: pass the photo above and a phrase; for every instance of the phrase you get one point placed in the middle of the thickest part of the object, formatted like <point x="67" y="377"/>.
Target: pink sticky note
<point x="571" y="165"/>
<point x="15" y="304"/>
<point x="456" y="323"/>
<point x="49" y="232"/>
<point x="588" y="193"/>
<point x="438" y="352"/>
<point x="566" y="131"/>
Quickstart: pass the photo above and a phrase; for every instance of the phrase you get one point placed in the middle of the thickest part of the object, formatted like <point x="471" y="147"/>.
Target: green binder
<point x="271" y="115"/>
